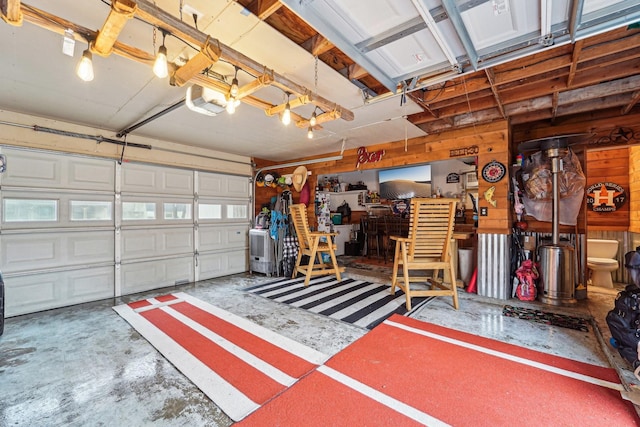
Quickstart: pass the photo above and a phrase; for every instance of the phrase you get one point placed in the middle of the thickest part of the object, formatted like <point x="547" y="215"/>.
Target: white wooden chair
<point x="314" y="245"/>
<point x="428" y="248"/>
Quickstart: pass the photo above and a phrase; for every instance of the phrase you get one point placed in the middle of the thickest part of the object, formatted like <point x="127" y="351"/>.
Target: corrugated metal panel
<point x="494" y="265"/>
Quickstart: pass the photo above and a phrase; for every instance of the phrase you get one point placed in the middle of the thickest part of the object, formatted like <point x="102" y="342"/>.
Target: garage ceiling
<point x="403" y="68"/>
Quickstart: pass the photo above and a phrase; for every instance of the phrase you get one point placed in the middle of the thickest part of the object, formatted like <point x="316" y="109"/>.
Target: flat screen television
<point x="405" y="182"/>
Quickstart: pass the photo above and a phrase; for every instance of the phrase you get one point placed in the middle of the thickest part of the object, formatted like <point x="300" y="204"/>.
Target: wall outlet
<point x="484" y="211"/>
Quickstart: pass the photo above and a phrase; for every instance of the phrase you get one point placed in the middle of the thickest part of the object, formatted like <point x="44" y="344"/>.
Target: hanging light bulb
<point x="310" y="133"/>
<point x="231" y="105"/>
<point x="160" y="68"/>
<point x="286" y="114"/>
<point x="234" y="85"/>
<point x="314" y="119"/>
<point x="84" y="70"/>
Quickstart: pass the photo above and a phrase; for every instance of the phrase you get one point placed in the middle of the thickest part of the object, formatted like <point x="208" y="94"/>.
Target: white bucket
<point x="465" y="264"/>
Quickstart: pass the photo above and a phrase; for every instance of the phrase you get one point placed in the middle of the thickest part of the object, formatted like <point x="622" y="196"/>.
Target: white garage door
<point x="77" y="229"/>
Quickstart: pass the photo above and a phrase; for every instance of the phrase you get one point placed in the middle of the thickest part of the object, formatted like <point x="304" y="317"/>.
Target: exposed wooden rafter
<point x="635" y="97"/>
<point x="317" y="45"/>
<point x="496" y="95"/>
<point x="577" y="49"/>
<point x="264" y="8"/>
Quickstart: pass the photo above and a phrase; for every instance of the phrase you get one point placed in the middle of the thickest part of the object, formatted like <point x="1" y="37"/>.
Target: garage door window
<point x="28" y="210"/>
<point x="138" y="211"/>
<point x="177" y="211"/>
<point x="91" y="210"/>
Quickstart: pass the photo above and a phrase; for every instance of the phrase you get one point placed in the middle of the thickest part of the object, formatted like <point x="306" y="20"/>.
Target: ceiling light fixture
<point x="286" y="114"/>
<point x="314" y="118"/>
<point x="232" y="104"/>
<point x="160" y="68"/>
<point x="84" y="70"/>
<point x="310" y="133"/>
<point x="233" y="91"/>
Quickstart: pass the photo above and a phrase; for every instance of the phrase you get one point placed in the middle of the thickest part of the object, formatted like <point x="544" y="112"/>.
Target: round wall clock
<point x="493" y="171"/>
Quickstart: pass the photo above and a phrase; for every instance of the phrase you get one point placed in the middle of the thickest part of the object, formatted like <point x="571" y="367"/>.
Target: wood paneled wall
<point x="609" y="166"/>
<point x="634" y="189"/>
<point x="487" y="142"/>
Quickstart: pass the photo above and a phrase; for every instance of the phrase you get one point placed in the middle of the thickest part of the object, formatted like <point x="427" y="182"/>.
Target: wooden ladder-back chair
<point x="313" y="244"/>
<point x="428" y="247"/>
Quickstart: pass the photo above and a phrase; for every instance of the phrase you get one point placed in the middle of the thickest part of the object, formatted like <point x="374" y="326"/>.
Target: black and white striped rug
<point x="362" y="303"/>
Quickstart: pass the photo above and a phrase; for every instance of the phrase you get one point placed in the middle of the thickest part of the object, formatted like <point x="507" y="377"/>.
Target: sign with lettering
<point x="464" y="151"/>
<point x="605" y="197"/>
<point x="365" y="157"/>
<point x="453" y="178"/>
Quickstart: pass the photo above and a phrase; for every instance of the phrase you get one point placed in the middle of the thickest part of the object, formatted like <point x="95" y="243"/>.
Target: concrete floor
<point x="84" y="365"/>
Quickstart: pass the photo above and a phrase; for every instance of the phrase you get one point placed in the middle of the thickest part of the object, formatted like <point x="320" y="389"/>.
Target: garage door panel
<point x="27" y="294"/>
<point x="150" y="243"/>
<point x="50" y="170"/>
<point x="222" y="263"/>
<point x="149" y="179"/>
<point x="213" y="184"/>
<point x="38" y="251"/>
<point x="221" y="237"/>
<point x="143" y="276"/>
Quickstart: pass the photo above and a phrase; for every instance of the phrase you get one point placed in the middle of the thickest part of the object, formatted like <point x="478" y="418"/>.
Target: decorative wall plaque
<point x="605" y="197"/>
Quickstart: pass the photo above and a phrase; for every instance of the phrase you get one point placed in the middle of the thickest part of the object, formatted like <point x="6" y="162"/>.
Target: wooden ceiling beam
<point x="10" y="12"/>
<point x="635" y="97"/>
<point x="356" y="72"/>
<point x="496" y="95"/>
<point x="577" y="48"/>
<point x="609" y="48"/>
<point x="554" y="105"/>
<point x="264" y="8"/>
<point x="317" y="45"/>
<point x="121" y="12"/>
<point x="524" y="72"/>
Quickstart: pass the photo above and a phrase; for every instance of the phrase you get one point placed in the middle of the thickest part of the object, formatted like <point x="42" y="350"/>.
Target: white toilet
<point x="601" y="261"/>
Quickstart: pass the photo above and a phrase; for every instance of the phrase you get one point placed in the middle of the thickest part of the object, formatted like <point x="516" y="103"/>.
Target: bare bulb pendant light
<point x="232" y="104"/>
<point x="84" y="70"/>
<point x="286" y="114"/>
<point x="314" y="119"/>
<point x="160" y="68"/>
<point x="310" y="133"/>
<point x="233" y="91"/>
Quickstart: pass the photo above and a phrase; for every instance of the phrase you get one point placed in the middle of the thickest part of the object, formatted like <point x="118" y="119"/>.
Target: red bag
<point x="527" y="275"/>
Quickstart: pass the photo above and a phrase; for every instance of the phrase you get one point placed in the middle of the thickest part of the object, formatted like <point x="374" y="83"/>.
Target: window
<point x="236" y="211"/>
<point x="138" y="211"/>
<point x="26" y="210"/>
<point x="177" y="211"/>
<point x="83" y="210"/>
<point x="209" y="211"/>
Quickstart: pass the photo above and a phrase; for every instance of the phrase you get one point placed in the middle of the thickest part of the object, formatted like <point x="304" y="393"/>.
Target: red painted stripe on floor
<point x="137" y="304"/>
<point x="600" y="372"/>
<point x="165" y="298"/>
<point x="273" y="355"/>
<point x="250" y="381"/>
<point x="462" y="386"/>
<point x="319" y="401"/>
